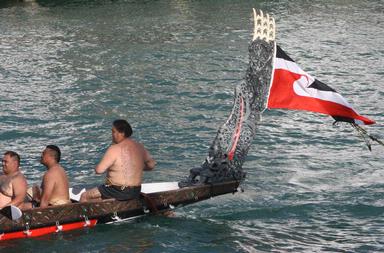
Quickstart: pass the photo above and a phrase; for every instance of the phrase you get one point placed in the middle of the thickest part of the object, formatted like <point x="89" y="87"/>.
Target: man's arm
<point x="150" y="163"/>
<point x="107" y="161"/>
<point x="48" y="185"/>
<point x="19" y="186"/>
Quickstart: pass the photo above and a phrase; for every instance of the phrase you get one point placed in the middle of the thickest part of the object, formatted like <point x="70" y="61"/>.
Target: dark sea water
<point x="69" y="68"/>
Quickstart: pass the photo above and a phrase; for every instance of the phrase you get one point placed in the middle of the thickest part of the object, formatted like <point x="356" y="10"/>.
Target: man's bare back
<point x="124" y="163"/>
<point x="54" y="187"/>
<point x="55" y="181"/>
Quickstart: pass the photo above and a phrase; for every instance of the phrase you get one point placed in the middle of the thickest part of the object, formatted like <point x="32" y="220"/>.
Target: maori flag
<point x="292" y="88"/>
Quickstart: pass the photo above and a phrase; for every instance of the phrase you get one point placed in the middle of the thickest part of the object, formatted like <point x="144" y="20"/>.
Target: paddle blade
<point x="75" y="193"/>
<point x="11" y="212"/>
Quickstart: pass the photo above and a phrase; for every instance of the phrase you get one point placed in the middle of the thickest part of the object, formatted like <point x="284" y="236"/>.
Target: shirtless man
<point x="124" y="161"/>
<point x="55" y="182"/>
<point x="13" y="186"/>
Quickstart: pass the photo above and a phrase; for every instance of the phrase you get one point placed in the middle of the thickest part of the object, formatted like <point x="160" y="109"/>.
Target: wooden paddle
<point x="11" y="212"/>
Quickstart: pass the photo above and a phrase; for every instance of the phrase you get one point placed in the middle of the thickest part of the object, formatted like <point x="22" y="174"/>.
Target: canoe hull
<point x="40" y="221"/>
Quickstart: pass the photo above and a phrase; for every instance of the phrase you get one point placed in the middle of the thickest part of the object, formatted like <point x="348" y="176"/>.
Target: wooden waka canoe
<point x="157" y="197"/>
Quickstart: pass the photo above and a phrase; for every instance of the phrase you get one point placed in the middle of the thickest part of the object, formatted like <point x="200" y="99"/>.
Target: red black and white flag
<point x="293" y="88"/>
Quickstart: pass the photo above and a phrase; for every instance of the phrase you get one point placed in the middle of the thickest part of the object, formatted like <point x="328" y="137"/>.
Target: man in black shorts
<point x="124" y="162"/>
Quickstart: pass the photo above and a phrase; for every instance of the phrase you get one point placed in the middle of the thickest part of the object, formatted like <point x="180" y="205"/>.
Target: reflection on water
<point x="68" y="68"/>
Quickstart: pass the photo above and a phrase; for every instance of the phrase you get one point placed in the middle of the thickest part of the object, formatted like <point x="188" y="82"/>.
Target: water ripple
<point x="68" y="68"/>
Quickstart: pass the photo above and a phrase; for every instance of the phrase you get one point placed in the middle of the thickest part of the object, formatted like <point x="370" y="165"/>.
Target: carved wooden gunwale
<point x="112" y="210"/>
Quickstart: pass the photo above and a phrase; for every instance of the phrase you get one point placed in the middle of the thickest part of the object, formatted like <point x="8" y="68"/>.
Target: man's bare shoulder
<point x="20" y="175"/>
<point x="56" y="169"/>
<point x="135" y="143"/>
<point x="53" y="173"/>
<point x="19" y="178"/>
<point x="50" y="174"/>
<point x="113" y="149"/>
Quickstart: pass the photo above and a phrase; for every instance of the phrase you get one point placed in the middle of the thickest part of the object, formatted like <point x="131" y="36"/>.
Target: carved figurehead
<point x="230" y="147"/>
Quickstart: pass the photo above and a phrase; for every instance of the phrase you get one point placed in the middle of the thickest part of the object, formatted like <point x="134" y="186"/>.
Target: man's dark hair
<point x="56" y="152"/>
<point x="122" y="126"/>
<point x="14" y="155"/>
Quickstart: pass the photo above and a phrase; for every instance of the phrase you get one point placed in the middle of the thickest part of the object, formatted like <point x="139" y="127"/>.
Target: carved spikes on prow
<point x="264" y="28"/>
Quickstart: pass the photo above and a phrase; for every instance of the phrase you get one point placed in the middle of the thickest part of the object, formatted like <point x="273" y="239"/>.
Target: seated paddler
<point x="13" y="185"/>
<point x="54" y="186"/>
<point x="124" y="163"/>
